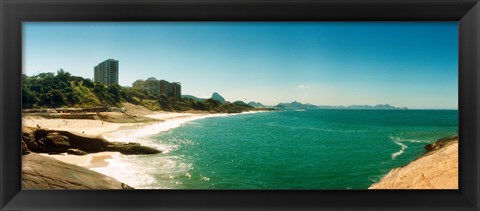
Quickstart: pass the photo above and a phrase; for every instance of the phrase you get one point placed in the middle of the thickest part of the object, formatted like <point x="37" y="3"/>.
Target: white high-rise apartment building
<point x="106" y="72"/>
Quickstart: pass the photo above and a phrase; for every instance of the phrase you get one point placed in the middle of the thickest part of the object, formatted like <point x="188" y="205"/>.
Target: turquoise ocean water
<point x="312" y="149"/>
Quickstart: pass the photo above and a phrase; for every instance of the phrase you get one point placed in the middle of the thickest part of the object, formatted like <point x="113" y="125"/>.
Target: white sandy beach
<point x="86" y="126"/>
<point x="93" y="160"/>
<point x="96" y="128"/>
<point x="108" y="162"/>
<point x="172" y="115"/>
<point x="111" y="132"/>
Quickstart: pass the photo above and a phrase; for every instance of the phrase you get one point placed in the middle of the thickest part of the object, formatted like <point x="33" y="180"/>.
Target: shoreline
<point x="404" y="177"/>
<point x="437" y="168"/>
<point x="116" y="132"/>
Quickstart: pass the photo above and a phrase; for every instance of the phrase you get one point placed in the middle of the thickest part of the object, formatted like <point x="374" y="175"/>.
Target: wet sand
<point x="93" y="160"/>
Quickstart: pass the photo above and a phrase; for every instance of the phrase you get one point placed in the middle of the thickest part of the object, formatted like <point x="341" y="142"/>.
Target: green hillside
<point x="50" y="90"/>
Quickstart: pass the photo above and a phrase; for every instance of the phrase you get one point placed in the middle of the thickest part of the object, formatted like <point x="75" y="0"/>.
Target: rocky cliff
<point x="436" y="169"/>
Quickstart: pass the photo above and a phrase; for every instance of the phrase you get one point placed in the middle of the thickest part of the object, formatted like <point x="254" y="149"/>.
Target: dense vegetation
<point x="49" y="90"/>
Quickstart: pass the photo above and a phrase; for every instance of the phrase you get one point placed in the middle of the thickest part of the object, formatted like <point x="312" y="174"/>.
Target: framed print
<point x="162" y="105"/>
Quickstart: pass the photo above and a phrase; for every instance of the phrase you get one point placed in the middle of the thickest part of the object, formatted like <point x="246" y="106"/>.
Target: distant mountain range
<point x="218" y="97"/>
<point x="215" y="96"/>
<point x="296" y="106"/>
<point x="255" y="104"/>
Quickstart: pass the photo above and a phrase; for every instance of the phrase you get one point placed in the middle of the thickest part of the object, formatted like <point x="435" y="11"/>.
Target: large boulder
<point x="433" y="147"/>
<point x="54" y="142"/>
<point x="131" y="148"/>
<point x="77" y="141"/>
<point x="29" y="138"/>
<point x="86" y="143"/>
<point x="440" y="143"/>
<point x="41" y="172"/>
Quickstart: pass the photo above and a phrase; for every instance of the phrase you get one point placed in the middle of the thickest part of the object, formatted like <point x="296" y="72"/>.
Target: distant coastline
<point x="297" y="105"/>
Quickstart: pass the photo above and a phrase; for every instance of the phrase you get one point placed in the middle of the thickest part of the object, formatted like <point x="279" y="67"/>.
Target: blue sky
<point x="412" y="64"/>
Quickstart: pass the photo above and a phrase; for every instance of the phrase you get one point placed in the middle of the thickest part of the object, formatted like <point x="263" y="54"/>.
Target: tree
<point x="88" y="83"/>
<point x="163" y="101"/>
<point x="56" y="97"/>
<point x="211" y="103"/>
<point x="63" y="76"/>
<point x="29" y="98"/>
<point x="46" y="75"/>
<point x="114" y="93"/>
<point x="199" y="106"/>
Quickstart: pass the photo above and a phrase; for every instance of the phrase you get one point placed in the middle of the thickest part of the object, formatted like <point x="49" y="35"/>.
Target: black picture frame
<point x="14" y="12"/>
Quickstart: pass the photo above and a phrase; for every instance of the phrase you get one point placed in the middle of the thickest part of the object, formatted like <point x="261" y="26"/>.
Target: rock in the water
<point x="432" y="147"/>
<point x="439" y="144"/>
<point x="76" y="152"/>
<point x="131" y="148"/>
<point x="40" y="172"/>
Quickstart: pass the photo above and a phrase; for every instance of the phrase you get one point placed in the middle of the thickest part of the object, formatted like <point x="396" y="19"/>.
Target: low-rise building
<point x="138" y="84"/>
<point x="159" y="87"/>
<point x="152" y="85"/>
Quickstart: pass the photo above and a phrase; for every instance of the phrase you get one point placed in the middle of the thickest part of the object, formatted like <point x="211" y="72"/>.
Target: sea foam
<point x="402" y="145"/>
<point x="136" y="134"/>
<point x="140" y="173"/>
<point x="401" y="141"/>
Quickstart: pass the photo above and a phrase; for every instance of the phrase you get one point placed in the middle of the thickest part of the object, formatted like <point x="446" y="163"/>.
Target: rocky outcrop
<point x="25" y="148"/>
<point x="77" y="141"/>
<point x="51" y="141"/>
<point x="131" y="149"/>
<point x="218" y="97"/>
<point x="436" y="169"/>
<point x="72" y="151"/>
<point x="54" y="142"/>
<point x="439" y="144"/>
<point x="29" y="139"/>
<point x="41" y="172"/>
